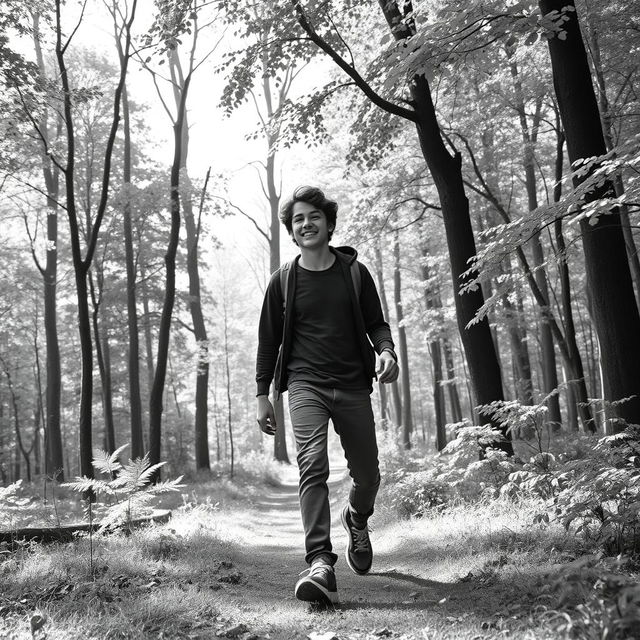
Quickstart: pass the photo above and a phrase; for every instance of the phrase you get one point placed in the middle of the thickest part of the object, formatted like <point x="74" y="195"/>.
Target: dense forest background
<point x="485" y="160"/>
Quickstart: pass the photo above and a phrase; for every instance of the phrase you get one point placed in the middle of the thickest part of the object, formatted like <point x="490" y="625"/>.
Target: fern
<point x="83" y="485"/>
<point x="136" y="474"/>
<point x="130" y="487"/>
<point x="108" y="463"/>
<point x="168" y="485"/>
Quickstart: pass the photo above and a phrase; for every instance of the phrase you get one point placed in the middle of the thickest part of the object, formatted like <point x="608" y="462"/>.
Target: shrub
<point x="415" y="494"/>
<point x="596" y="601"/>
<point x="601" y="498"/>
<point x="455" y="474"/>
<point x="260" y="467"/>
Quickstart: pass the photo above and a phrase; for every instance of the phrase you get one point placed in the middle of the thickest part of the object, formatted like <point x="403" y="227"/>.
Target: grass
<point x="232" y="552"/>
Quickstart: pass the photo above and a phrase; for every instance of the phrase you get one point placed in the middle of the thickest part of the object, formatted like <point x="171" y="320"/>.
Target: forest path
<point x="398" y="598"/>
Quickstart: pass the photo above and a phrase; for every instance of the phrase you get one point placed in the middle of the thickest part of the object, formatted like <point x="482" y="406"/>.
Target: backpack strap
<point x="284" y="273"/>
<point x="356" y="278"/>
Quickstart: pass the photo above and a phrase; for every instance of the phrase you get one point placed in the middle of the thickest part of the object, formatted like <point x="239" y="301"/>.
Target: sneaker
<point x="359" y="553"/>
<point x="319" y="585"/>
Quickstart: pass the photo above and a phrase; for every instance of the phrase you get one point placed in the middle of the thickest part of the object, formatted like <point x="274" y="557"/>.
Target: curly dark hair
<point x="315" y="197"/>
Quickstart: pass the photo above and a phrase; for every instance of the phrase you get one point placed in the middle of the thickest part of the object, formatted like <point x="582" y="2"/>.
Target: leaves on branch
<point x="591" y="198"/>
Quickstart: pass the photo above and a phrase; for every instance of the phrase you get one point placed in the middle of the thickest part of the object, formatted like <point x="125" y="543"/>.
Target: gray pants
<point x="311" y="407"/>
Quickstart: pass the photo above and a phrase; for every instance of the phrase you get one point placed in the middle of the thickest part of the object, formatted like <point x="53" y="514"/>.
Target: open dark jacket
<point x="276" y="328"/>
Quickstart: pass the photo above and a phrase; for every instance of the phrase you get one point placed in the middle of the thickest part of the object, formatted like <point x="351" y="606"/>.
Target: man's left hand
<point x="389" y="370"/>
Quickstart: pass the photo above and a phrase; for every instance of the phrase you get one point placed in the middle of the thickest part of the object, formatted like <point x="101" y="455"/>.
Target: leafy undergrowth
<point x="471" y="571"/>
<point x="51" y="504"/>
<point x="38" y="505"/>
<point x="573" y="537"/>
<point x="476" y="561"/>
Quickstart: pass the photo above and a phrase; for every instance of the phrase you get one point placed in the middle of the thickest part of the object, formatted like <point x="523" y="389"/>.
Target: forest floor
<point x="226" y="565"/>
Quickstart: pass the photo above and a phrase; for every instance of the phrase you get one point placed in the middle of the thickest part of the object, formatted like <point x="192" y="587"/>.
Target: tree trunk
<point x="486" y="288"/>
<point x="616" y="315"/>
<point x="37" y="459"/>
<point x="200" y="332"/>
<point x="192" y="228"/>
<point x="81" y="266"/>
<point x="104" y="367"/>
<point x="20" y="449"/>
<point x="280" y="440"/>
<point x="452" y="387"/>
<point x="109" y="423"/>
<point x="54" y="463"/>
<point x="577" y="386"/>
<point x="549" y="365"/>
<point x="438" y="394"/>
<point x="529" y="140"/>
<point x="228" y="379"/>
<point x="519" y="351"/>
<point x="436" y="359"/>
<point x="572" y="404"/>
<point x="86" y="349"/>
<point x="17" y="472"/>
<point x="403" y="354"/>
<point x="446" y="171"/>
<point x="148" y="339"/>
<point x="133" y="351"/>
<point x="484" y="368"/>
<point x="164" y="332"/>
<point x="395" y="391"/>
<point x="607" y="130"/>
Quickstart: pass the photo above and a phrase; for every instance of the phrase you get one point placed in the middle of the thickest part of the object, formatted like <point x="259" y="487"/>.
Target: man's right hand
<point x="266" y="415"/>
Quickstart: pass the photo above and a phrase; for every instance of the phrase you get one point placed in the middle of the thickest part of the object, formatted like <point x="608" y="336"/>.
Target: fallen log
<point x="66" y="533"/>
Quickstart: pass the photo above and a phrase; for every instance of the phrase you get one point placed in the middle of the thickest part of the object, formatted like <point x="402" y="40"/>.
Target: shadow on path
<point x="265" y="542"/>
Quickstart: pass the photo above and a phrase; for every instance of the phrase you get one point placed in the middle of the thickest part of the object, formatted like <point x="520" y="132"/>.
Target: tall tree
<point x="565" y="340"/>
<point x="529" y="132"/>
<point x="396" y="402"/>
<point x="133" y="352"/>
<point x="435" y="351"/>
<point x="193" y="228"/>
<point x="172" y="22"/>
<point x="403" y="351"/>
<point x="615" y="312"/>
<point x="82" y="264"/>
<point x="606" y="108"/>
<point x="445" y="168"/>
<point x="54" y="464"/>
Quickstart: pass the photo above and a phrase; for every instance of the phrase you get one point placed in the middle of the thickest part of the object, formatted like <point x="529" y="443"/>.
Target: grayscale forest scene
<point x="485" y="160"/>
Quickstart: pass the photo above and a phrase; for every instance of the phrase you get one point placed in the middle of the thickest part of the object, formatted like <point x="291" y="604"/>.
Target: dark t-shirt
<point x="324" y="349"/>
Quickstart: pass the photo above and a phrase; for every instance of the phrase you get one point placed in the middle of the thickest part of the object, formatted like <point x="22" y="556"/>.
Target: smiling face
<point x="309" y="228"/>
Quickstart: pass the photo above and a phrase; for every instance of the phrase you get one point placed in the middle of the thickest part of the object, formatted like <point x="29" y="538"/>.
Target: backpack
<point x="284" y="272"/>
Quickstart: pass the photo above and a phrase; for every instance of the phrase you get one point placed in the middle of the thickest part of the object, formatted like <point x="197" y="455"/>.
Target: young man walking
<point x="320" y="323"/>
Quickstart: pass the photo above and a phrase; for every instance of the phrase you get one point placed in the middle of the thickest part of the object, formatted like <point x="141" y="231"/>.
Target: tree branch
<point x="361" y="83"/>
<point x="106" y="175"/>
<point x="247" y="216"/>
<point x="201" y="207"/>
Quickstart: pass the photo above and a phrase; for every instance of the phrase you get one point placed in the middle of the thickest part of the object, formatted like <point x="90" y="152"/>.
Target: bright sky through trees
<point x="224" y="143"/>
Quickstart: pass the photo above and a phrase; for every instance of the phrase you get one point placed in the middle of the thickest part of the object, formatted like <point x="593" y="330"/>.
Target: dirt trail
<point x="397" y="599"/>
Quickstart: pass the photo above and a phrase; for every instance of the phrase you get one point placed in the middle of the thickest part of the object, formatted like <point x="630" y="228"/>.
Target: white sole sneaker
<point x="308" y="590"/>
